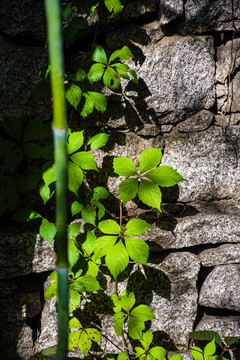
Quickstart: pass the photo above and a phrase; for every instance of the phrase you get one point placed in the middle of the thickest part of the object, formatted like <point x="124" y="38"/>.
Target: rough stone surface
<point x="29" y="253"/>
<point x="198" y="122"/>
<point x="170" y="10"/>
<point x="19" y="67"/>
<point x="206" y="15"/>
<point x="168" y="287"/>
<point x="208" y="161"/>
<point x="228" y="59"/>
<point x="224" y="254"/>
<point x="207" y="229"/>
<point x="25" y="344"/>
<point x="25" y="18"/>
<point x="221" y="289"/>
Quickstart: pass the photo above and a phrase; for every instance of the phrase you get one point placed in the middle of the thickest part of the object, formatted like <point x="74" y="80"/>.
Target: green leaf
<point x="25" y="214"/>
<point x="10" y="197"/>
<point x="128" y="301"/>
<point x="123" y="356"/>
<point x="124" y="166"/>
<point x="6" y="146"/>
<point x="134" y="76"/>
<point x="96" y="72"/>
<point x="47" y="230"/>
<point x="93" y="334"/>
<point x="71" y="31"/>
<point x="73" y="254"/>
<point x="88" y="106"/>
<point x="128" y="190"/>
<point x="28" y="183"/>
<point x="13" y="127"/>
<point x="164" y="176"/>
<point x="101" y="208"/>
<point x="113" y="6"/>
<point x="66" y="11"/>
<point x="89" y="214"/>
<point x="149" y="159"/>
<point x="230" y="340"/>
<point x="75" y="177"/>
<point x="210" y="349"/>
<point x="73" y="95"/>
<point x="175" y="357"/>
<point x="73" y="339"/>
<point x="123" y="54"/>
<point x="49" y="175"/>
<point x="74" y="323"/>
<point x="117" y="259"/>
<point x="119" y="319"/>
<point x="98" y="141"/>
<point x="32" y="130"/>
<point x="136" y="227"/>
<point x="13" y="158"/>
<point x="80" y="75"/>
<point x="74" y="229"/>
<point x="86" y="283"/>
<point x="111" y="79"/>
<point x="88" y="244"/>
<point x="147" y="339"/>
<point x="32" y="151"/>
<point x="158" y="352"/>
<point x="117" y="303"/>
<point x="135" y="327"/>
<point x="109" y="227"/>
<point x="100" y="193"/>
<point x="143" y="312"/>
<point x="197" y="353"/>
<point x="45" y="193"/>
<point x="92" y="269"/>
<point x="137" y="249"/>
<point x="103" y="245"/>
<point x="74" y="300"/>
<point x="75" y="141"/>
<point x="85" y="160"/>
<point x="47" y="152"/>
<point x="76" y="208"/>
<point x="140" y="353"/>
<point x="51" y="291"/>
<point x="99" y="100"/>
<point x="150" y="194"/>
<point x="99" y="54"/>
<point x="206" y="335"/>
<point x="51" y="350"/>
<point x="84" y="342"/>
<point x="122" y="70"/>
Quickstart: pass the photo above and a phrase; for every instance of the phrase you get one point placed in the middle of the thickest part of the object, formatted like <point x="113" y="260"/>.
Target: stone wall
<point x="187" y="57"/>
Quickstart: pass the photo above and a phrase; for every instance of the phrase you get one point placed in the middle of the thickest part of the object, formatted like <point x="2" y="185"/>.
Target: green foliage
<point x="211" y="347"/>
<point x="118" y="248"/>
<point x="145" y="182"/>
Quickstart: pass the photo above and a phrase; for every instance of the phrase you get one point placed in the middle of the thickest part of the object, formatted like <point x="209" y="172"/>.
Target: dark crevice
<point x="22" y="40"/>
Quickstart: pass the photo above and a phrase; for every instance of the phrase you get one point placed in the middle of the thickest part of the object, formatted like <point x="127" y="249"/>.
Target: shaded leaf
<point x="25" y="214"/>
<point x="206" y="335"/>
<point x="99" y="100"/>
<point x="13" y="127"/>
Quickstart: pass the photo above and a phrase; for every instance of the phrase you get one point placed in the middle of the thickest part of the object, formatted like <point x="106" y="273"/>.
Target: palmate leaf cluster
<point x="110" y="70"/>
<point x="146" y="181"/>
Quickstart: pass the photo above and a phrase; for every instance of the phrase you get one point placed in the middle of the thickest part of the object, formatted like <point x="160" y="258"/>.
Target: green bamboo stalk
<point x="59" y="128"/>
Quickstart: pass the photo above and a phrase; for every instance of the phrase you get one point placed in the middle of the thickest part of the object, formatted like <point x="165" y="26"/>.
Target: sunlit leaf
<point x="99" y="54"/>
<point x="85" y="160"/>
<point x="119" y="319"/>
<point x="75" y="177"/>
<point x="73" y="254"/>
<point x="128" y="190"/>
<point x="149" y="159"/>
<point x="49" y="175"/>
<point x="89" y="214"/>
<point x="137" y="249"/>
<point x="143" y="312"/>
<point x="150" y="194"/>
<point x="96" y="72"/>
<point x="104" y="244"/>
<point x="117" y="259"/>
<point x="99" y="100"/>
<point x="136" y="227"/>
<point x="98" y="141"/>
<point x="113" y="6"/>
<point x="164" y="176"/>
<point x="122" y="54"/>
<point x="147" y="339"/>
<point x="73" y="95"/>
<point x="76" y="208"/>
<point x="74" y="300"/>
<point x="47" y="230"/>
<point x="74" y="229"/>
<point x="111" y="79"/>
<point x="100" y="193"/>
<point x="109" y="227"/>
<point x="135" y="327"/>
<point x="124" y="166"/>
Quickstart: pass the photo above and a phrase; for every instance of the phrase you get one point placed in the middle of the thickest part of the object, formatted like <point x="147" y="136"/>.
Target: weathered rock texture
<point x="187" y="57"/>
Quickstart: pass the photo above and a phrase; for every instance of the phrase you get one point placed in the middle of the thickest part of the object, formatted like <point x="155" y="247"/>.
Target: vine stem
<point x="59" y="129"/>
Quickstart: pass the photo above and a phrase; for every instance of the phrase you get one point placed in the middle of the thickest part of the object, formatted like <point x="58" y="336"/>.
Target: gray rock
<point x="197" y="122"/>
<point x="206" y="229"/>
<point x="29" y="253"/>
<point x="25" y="343"/>
<point x="206" y="15"/>
<point x="179" y="75"/>
<point x="23" y="18"/>
<point x="227" y="96"/>
<point x="170" y="10"/>
<point x="224" y="254"/>
<point x="221" y="289"/>
<point x="228" y="59"/>
<point x="19" y="67"/>
<point x="225" y="326"/>
<point x="168" y="287"/>
<point x="208" y="162"/>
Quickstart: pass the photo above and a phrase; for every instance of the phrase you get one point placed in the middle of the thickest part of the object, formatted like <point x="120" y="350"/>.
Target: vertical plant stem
<point x="59" y="128"/>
